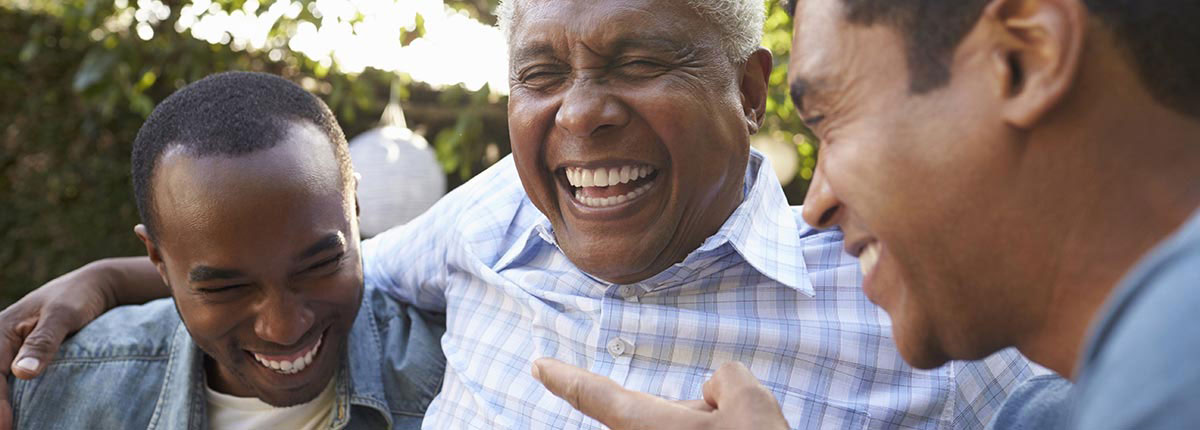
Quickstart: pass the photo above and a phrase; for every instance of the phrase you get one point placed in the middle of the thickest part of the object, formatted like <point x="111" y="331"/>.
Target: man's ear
<point x="1038" y="57"/>
<point x="755" y="75"/>
<point x="152" y="251"/>
<point x="357" y="207"/>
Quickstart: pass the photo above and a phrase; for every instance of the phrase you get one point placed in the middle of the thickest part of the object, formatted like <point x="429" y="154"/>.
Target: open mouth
<point x="604" y="187"/>
<point x="290" y="364"/>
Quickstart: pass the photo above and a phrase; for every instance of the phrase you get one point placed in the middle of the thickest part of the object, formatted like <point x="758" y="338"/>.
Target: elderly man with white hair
<point x="634" y="233"/>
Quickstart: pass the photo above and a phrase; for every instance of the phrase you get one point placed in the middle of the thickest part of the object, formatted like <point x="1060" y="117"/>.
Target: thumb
<point x="40" y="345"/>
<point x="736" y="391"/>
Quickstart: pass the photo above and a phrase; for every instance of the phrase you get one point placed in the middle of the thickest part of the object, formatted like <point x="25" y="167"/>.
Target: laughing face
<point x="261" y="253"/>
<point x="630" y="128"/>
<point x="921" y="184"/>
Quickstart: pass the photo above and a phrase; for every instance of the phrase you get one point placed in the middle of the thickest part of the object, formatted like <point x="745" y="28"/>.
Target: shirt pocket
<point x="809" y="412"/>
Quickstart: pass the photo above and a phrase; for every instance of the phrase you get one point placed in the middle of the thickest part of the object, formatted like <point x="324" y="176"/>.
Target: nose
<point x="283" y="318"/>
<point x="588" y="109"/>
<point x="822" y="209"/>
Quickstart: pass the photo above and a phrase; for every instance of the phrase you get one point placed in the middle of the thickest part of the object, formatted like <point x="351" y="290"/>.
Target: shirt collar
<point x="181" y="403"/>
<point x="762" y="230"/>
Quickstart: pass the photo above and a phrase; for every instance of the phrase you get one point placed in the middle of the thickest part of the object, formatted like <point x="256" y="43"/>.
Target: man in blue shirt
<point x="248" y="213"/>
<point x="1002" y="168"/>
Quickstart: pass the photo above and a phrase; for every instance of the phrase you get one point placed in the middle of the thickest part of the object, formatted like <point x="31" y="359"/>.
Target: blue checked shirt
<point x="766" y="290"/>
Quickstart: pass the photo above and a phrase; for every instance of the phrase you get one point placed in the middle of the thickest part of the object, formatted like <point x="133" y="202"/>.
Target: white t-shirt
<point x="226" y="412"/>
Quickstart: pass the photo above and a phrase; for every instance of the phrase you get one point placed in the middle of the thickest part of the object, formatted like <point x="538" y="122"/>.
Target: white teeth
<point x="606" y="177"/>
<point x="868" y="258"/>
<point x="601" y="202"/>
<point x="290" y="367"/>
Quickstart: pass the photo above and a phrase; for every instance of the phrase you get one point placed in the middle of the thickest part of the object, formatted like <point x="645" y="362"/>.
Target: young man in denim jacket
<point x="246" y="195"/>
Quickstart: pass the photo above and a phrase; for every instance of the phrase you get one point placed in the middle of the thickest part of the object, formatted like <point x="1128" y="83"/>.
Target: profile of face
<point x="261" y="254"/>
<point x="923" y="183"/>
<point x="630" y="128"/>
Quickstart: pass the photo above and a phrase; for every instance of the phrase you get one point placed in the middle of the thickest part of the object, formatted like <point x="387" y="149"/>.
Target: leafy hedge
<point x="72" y="104"/>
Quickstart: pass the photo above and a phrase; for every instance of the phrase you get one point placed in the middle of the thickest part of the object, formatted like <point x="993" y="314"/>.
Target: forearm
<point x="129" y="280"/>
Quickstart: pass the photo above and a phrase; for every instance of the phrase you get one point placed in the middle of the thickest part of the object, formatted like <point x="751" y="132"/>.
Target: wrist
<point x="101" y="276"/>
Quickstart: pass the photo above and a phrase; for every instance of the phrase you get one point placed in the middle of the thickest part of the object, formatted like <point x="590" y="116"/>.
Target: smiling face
<point x="261" y="253"/>
<point x="921" y="184"/>
<point x="630" y="128"/>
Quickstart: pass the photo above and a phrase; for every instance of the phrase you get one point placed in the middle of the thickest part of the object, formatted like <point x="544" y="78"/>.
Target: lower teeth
<point x="600" y="202"/>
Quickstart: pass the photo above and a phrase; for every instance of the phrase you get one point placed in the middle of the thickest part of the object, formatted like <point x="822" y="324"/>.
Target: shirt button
<point x="618" y="347"/>
<point x="628" y="292"/>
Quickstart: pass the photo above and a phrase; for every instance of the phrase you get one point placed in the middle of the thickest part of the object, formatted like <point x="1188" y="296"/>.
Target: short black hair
<point x="1161" y="38"/>
<point x="227" y="114"/>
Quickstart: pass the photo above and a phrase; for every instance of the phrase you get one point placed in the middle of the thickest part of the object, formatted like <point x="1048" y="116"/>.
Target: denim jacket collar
<point x="182" y="402"/>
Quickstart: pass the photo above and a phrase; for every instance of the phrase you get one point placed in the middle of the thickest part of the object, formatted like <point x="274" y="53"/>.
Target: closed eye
<point x="813" y="121"/>
<point x="640" y="63"/>
<point x="324" y="264"/>
<point x="222" y="289"/>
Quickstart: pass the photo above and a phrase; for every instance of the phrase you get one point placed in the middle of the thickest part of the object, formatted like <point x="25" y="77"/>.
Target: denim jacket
<point x="136" y="367"/>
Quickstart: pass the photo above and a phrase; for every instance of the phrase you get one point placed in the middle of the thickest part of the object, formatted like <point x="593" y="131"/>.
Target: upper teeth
<point x="868" y="258"/>
<point x="289" y="367"/>
<point x="606" y="176"/>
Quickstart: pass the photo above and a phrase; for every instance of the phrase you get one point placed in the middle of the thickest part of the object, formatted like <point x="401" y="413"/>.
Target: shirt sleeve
<point x="1143" y="374"/>
<point x="408" y="262"/>
<point x="1042" y="402"/>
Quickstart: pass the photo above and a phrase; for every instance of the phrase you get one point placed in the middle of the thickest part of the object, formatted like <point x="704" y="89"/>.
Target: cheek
<point x="213" y="327"/>
<point x="338" y="296"/>
<point x="530" y="119"/>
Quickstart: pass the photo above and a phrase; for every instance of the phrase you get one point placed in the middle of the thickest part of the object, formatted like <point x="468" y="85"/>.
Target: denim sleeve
<point x="1145" y="374"/>
<point x="1041" y="402"/>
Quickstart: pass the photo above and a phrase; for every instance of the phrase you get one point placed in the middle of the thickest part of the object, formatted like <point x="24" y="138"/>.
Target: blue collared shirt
<point x="137" y="367"/>
<point x="1138" y="369"/>
<point x="765" y="290"/>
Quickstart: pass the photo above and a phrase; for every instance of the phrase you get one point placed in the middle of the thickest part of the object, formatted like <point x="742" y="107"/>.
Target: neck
<point x="1122" y="170"/>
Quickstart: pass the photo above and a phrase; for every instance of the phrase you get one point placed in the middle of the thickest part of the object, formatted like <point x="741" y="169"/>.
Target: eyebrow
<point x="330" y="241"/>
<point x="530" y="52"/>
<point x="542" y="49"/>
<point x="206" y="273"/>
<point x="652" y="43"/>
<point x="797" y="90"/>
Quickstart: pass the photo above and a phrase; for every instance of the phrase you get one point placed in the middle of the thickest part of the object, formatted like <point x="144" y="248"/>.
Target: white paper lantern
<point x="400" y="177"/>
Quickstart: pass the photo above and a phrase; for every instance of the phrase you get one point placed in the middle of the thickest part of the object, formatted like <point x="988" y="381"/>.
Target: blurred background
<point x="420" y="84"/>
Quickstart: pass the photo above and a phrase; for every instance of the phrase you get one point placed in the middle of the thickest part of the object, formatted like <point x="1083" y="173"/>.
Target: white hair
<point x="740" y="23"/>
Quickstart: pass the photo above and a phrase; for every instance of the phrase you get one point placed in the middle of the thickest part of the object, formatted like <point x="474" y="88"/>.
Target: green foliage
<point x="76" y="94"/>
<point x="782" y="122"/>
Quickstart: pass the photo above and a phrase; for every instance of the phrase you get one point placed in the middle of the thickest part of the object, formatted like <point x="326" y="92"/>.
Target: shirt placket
<point x="619" y="329"/>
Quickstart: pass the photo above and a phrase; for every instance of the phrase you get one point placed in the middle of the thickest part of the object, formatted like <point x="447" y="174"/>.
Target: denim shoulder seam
<point x="116" y="358"/>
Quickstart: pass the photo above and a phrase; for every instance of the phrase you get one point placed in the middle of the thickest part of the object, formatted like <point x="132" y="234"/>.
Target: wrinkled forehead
<point x="604" y="26"/>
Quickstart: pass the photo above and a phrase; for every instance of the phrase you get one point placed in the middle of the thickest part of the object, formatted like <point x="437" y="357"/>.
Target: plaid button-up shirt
<point x="766" y="290"/>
